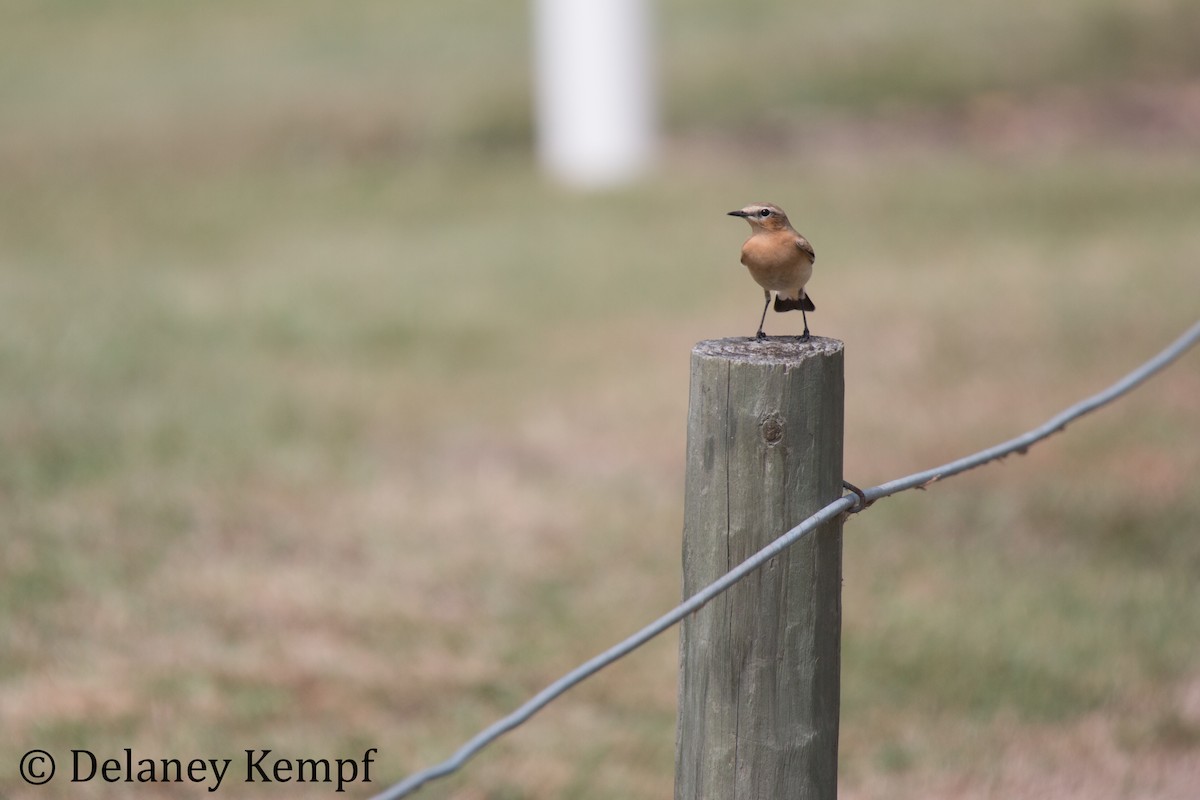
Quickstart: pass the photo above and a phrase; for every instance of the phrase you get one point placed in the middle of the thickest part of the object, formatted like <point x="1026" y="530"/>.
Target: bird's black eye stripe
<point x="766" y="212"/>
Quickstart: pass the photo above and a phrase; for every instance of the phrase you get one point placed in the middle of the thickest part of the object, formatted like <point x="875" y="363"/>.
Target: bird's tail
<point x="803" y="302"/>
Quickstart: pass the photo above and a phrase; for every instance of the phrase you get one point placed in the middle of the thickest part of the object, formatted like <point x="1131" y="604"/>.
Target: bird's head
<point x="763" y="216"/>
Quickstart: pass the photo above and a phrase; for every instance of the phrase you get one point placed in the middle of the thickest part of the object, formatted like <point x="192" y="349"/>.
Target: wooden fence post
<point x="760" y="665"/>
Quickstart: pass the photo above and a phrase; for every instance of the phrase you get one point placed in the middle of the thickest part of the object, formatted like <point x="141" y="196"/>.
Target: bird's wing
<point x="806" y="248"/>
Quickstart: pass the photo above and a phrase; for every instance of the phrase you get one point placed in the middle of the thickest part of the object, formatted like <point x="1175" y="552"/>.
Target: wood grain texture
<point x="760" y="665"/>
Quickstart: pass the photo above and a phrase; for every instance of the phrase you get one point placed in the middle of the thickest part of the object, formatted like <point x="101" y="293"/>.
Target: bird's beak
<point x="738" y="214"/>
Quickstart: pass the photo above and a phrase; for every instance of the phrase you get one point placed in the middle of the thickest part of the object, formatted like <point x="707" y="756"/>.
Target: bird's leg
<point x="761" y="322"/>
<point x="804" y="337"/>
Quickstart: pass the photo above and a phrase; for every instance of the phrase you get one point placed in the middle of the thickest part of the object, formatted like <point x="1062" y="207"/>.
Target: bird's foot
<point x="760" y="335"/>
<point x="806" y="336"/>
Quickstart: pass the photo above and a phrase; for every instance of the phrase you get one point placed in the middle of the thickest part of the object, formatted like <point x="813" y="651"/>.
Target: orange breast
<point x="775" y="262"/>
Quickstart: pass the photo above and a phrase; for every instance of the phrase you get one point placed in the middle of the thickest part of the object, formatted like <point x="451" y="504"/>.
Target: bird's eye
<point x="766" y="212"/>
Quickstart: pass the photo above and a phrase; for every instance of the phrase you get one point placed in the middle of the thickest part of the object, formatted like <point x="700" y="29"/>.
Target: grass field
<point x="327" y="424"/>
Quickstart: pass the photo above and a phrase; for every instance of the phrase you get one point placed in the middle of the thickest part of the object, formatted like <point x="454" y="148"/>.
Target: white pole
<point x="595" y="90"/>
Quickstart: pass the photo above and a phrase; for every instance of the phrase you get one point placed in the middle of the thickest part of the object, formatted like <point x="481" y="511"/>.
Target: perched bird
<point x="779" y="259"/>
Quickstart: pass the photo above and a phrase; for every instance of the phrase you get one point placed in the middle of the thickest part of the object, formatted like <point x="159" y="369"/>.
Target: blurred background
<point x="328" y="421"/>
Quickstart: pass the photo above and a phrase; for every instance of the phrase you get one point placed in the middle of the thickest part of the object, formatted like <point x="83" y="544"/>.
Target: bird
<point x="779" y="259"/>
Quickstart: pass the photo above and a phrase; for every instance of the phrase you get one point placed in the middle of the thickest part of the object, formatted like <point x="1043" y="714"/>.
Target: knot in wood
<point x="771" y="428"/>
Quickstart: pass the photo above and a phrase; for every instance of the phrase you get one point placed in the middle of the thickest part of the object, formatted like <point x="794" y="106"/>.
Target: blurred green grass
<point x="325" y="423"/>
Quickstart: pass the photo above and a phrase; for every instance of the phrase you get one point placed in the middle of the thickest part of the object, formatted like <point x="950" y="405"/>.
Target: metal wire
<point x="846" y="504"/>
